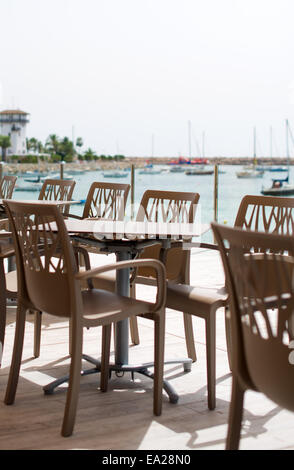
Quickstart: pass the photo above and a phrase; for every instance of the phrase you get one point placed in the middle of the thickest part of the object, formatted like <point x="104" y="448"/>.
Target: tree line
<point x="55" y="149"/>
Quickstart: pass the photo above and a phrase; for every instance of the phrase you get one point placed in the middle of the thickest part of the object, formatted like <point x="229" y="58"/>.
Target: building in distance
<point x="13" y="123"/>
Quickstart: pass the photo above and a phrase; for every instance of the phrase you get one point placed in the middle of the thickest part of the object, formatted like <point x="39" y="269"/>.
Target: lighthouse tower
<point x="13" y="123"/>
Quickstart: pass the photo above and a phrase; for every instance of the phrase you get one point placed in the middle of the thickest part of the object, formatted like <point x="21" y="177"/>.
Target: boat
<point x="261" y="168"/>
<point x="251" y="170"/>
<point x="75" y="172"/>
<point x="199" y="171"/>
<point x="278" y="168"/>
<point x="149" y="171"/>
<point x="176" y="169"/>
<point x="33" y="180"/>
<point x="249" y="174"/>
<point x="188" y="161"/>
<point x="35" y="173"/>
<point x="281" y="187"/>
<point x="29" y="188"/>
<point x="115" y="174"/>
<point x="57" y="176"/>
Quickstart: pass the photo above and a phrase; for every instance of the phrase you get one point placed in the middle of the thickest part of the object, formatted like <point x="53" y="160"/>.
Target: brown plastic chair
<point x="7" y="185"/>
<point x="264" y="213"/>
<point x="168" y="206"/>
<point x="52" y="189"/>
<point x="259" y="270"/>
<point x="57" y="190"/>
<point x="104" y="201"/>
<point x="161" y="206"/>
<point x="48" y="280"/>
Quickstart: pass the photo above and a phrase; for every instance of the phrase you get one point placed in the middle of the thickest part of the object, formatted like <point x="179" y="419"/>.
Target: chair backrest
<point x="266" y="213"/>
<point x="168" y="206"/>
<point x="45" y="260"/>
<point x="106" y="201"/>
<point x="259" y="271"/>
<point x="7" y="185"/>
<point x="57" y="190"/>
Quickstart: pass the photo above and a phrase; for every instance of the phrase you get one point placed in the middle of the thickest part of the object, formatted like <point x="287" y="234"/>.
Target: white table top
<point x="133" y="229"/>
<point x="42" y="201"/>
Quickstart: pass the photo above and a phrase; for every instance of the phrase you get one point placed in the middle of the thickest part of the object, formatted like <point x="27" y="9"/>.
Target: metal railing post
<point x="215" y="193"/>
<point x="62" y="170"/>
<point x="1" y="170"/>
<point x="132" y="191"/>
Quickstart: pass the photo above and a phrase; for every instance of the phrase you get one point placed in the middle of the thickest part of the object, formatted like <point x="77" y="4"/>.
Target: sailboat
<point x="200" y="170"/>
<point x="281" y="187"/>
<point x="251" y="172"/>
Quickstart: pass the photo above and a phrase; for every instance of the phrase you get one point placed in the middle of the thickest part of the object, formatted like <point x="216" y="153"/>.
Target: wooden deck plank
<point x="122" y="418"/>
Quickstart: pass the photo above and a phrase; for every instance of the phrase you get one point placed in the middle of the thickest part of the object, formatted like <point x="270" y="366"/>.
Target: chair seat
<point x="103" y="306"/>
<point x="193" y="299"/>
<point x="105" y="281"/>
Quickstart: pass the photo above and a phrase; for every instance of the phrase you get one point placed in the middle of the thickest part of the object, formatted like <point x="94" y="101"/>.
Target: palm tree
<point x="90" y="155"/>
<point x="32" y="144"/>
<point x="66" y="149"/>
<point x="79" y="142"/>
<point x="40" y="147"/>
<point x="5" y="143"/>
<point x="53" y="143"/>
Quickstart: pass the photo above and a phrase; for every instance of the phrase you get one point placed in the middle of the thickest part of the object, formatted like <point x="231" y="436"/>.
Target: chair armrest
<point x="210" y="246"/>
<point x="74" y="216"/>
<point x="155" y="264"/>
<point x="79" y="249"/>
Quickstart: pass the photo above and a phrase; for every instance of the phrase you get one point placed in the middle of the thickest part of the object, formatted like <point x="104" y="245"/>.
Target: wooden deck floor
<point x="122" y="418"/>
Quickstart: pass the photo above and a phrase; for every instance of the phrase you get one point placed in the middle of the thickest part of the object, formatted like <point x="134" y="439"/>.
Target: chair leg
<point x="210" y="358"/>
<point x="133" y="320"/>
<point x="189" y="335"/>
<point x="16" y="356"/>
<point x="69" y="336"/>
<point x="228" y="337"/>
<point x="37" y="333"/>
<point x="2" y="308"/>
<point x="235" y="416"/>
<point x="106" y="337"/>
<point x="159" y="337"/>
<point x="74" y="380"/>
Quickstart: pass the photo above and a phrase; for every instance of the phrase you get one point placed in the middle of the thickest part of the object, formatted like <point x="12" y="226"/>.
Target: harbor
<point x="230" y="188"/>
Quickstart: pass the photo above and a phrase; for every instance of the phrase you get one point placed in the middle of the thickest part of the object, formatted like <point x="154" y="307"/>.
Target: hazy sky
<point x="117" y="72"/>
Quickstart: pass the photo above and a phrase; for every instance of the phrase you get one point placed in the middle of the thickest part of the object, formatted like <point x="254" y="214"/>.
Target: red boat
<point x="199" y="161"/>
<point x="188" y="161"/>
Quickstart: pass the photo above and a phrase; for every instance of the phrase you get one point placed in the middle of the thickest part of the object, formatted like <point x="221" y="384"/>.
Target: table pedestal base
<point x="142" y="369"/>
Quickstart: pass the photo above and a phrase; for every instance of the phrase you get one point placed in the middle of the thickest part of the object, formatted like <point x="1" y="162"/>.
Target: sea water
<point x="230" y="189"/>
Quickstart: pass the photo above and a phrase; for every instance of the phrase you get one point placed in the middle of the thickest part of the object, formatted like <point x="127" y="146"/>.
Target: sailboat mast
<point x="203" y="144"/>
<point x="287" y="145"/>
<point x="189" y="137"/>
<point x="271" y="142"/>
<point x="254" y="146"/>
